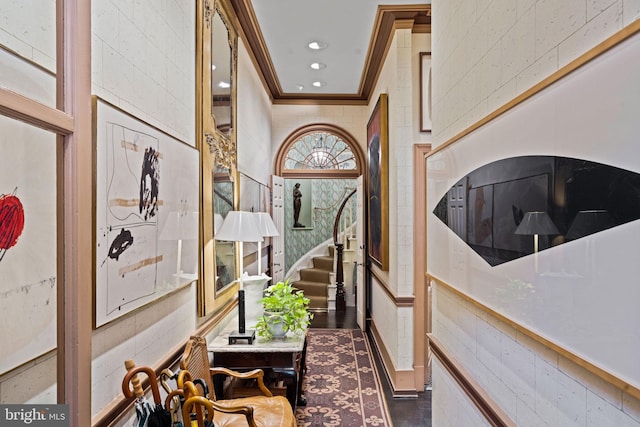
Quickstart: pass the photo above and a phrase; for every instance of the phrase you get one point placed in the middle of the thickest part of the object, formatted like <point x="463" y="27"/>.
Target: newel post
<point x="341" y="303"/>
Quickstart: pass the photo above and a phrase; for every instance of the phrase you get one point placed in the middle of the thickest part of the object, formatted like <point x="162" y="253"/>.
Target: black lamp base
<point x="236" y="336"/>
<point x="241" y="334"/>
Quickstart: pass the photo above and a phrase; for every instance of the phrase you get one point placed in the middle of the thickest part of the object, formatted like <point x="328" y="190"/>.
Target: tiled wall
<point x="31" y="31"/>
<point x="287" y="118"/>
<point x="446" y="411"/>
<point x="486" y="53"/>
<point x="395" y="326"/>
<point x="142" y="61"/>
<point x="145" y="337"/>
<point x="254" y="122"/>
<point x="533" y="384"/>
<point x="401" y="129"/>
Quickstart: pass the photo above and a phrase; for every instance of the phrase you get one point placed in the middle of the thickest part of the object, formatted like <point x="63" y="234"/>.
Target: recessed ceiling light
<point x="213" y="67"/>
<point x="299" y="87"/>
<point x="318" y="66"/>
<point x="224" y="85"/>
<point x="319" y="84"/>
<point x="316" y="45"/>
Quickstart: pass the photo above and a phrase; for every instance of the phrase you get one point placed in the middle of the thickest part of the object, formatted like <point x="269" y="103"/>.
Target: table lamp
<point x="589" y="222"/>
<point x="180" y="225"/>
<point x="240" y="226"/>
<point x="536" y="223"/>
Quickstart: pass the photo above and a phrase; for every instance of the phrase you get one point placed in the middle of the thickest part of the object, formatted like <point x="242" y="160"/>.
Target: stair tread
<point x="323" y="262"/>
<point x="312" y="269"/>
<point x="310" y="282"/>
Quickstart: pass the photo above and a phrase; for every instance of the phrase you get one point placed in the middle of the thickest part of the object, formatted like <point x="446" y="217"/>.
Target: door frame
<point x="277" y="242"/>
<point x="422" y="303"/>
<point x="360" y="285"/>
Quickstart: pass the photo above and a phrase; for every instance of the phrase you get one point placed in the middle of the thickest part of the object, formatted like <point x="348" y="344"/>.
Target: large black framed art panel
<point x="378" y="183"/>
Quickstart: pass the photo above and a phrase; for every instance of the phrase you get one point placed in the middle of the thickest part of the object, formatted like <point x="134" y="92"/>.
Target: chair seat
<point x="268" y="412"/>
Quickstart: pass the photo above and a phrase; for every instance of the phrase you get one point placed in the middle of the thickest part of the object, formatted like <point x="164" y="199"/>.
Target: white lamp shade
<point x="266" y="225"/>
<point x="239" y="226"/>
<point x="180" y="226"/>
<point x="536" y="223"/>
<point x="217" y="222"/>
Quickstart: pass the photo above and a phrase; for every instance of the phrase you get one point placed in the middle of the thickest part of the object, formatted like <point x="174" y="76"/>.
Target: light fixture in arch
<point x="321" y="150"/>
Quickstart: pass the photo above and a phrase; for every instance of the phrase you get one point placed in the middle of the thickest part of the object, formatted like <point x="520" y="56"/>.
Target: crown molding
<point x="388" y="19"/>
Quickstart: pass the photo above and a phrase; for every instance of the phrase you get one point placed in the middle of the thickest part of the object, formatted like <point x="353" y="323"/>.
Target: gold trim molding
<point x="572" y="66"/>
<point x="492" y="412"/>
<point x="588" y="366"/>
<point x="223" y="150"/>
<point x="208" y="13"/>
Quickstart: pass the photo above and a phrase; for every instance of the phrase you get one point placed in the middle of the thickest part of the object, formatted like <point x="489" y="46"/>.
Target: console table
<point x="285" y="357"/>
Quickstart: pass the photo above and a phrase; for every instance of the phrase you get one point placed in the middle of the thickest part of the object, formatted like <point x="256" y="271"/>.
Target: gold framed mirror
<point x="224" y="185"/>
<point x="217" y="56"/>
<point x="222" y="64"/>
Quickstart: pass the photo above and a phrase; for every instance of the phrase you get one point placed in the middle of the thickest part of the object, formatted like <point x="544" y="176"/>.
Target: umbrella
<point x="175" y="398"/>
<point x="147" y="414"/>
<point x="173" y="401"/>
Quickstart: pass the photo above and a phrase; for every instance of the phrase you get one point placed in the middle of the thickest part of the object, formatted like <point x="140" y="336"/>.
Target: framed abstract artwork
<point x="147" y="219"/>
<point x="29" y="224"/>
<point x="378" y="183"/>
<point x="425" y="91"/>
<point x="544" y="229"/>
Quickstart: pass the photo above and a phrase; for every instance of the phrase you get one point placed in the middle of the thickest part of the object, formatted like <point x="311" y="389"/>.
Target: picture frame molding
<point x="100" y="108"/>
<point x="379" y="221"/>
<point x="425" y="92"/>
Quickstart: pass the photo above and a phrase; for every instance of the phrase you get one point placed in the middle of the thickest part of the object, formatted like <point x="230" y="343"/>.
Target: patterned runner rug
<point x="341" y="385"/>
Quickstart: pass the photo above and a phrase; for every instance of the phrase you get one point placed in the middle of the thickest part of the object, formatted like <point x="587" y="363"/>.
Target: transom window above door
<point x="320" y="150"/>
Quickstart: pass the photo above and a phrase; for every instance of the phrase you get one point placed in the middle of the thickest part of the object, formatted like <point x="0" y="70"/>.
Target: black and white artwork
<point x="557" y="251"/>
<point x="146" y="213"/>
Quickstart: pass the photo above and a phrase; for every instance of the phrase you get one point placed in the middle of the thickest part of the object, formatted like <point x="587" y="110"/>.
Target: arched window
<point x="319" y="150"/>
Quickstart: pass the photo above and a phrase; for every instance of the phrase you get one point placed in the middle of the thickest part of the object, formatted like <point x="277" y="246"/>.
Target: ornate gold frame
<point x="216" y="148"/>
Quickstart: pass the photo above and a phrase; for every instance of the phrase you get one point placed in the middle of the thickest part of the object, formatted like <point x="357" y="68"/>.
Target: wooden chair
<point x="263" y="410"/>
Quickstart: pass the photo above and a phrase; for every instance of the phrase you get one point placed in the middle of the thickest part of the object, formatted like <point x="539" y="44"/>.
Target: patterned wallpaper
<point x="326" y="197"/>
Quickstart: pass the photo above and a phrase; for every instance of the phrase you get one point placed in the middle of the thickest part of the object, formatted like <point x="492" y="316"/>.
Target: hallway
<point x="405" y="412"/>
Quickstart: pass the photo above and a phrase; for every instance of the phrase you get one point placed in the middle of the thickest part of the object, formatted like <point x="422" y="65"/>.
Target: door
<point x="360" y="254"/>
<point x="277" y="213"/>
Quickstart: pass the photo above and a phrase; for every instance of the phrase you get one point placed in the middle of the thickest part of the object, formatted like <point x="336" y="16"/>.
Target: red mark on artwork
<point x="11" y="221"/>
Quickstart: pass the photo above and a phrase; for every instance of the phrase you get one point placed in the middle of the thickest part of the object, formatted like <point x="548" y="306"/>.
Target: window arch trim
<point x="295" y="136"/>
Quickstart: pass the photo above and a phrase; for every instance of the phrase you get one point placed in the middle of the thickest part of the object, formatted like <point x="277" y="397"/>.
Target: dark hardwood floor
<point x="405" y="411"/>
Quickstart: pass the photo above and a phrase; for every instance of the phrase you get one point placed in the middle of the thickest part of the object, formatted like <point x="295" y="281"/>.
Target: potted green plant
<point x="286" y="309"/>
